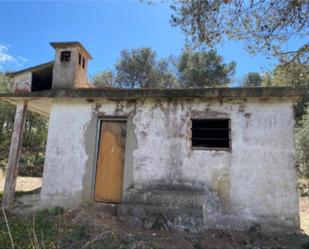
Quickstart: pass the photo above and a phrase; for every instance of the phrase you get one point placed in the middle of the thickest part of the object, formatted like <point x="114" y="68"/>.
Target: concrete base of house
<point x="190" y="210"/>
<point x="163" y="209"/>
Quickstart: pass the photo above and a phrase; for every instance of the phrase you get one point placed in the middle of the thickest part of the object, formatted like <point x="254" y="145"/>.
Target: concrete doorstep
<point x="163" y="210"/>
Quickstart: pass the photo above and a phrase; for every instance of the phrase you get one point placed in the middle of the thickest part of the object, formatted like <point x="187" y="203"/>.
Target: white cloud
<point x="20" y="61"/>
<point x="4" y="54"/>
<point x="8" y="59"/>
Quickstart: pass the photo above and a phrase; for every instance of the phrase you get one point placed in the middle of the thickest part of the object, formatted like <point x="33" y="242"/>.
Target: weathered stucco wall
<point x="65" y="154"/>
<point x="254" y="182"/>
<point x="22" y="82"/>
<point x="69" y="75"/>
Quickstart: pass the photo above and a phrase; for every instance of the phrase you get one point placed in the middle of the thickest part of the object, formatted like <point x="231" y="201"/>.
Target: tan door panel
<point x="109" y="174"/>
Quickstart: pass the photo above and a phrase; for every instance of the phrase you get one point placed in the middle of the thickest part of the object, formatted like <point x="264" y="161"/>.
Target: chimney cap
<point x="56" y="45"/>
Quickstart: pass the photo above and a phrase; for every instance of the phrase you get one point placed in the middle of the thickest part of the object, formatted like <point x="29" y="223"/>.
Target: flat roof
<point x="70" y="44"/>
<point x="126" y="94"/>
<point x="31" y="69"/>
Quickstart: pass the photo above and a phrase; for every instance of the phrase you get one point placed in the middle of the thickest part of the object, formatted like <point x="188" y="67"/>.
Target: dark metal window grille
<point x="210" y="133"/>
<point x="65" y="56"/>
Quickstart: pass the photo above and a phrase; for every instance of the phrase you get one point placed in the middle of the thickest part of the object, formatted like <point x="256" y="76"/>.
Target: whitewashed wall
<point x="255" y="181"/>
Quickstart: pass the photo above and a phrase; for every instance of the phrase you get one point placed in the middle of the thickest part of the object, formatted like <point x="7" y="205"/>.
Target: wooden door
<point x="109" y="174"/>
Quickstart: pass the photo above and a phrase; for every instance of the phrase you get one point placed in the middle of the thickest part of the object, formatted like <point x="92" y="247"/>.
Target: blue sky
<point x="104" y="28"/>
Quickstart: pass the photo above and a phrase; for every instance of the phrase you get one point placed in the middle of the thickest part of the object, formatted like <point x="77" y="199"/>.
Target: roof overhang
<point x="120" y="93"/>
<point x="39" y="105"/>
<point x="41" y="101"/>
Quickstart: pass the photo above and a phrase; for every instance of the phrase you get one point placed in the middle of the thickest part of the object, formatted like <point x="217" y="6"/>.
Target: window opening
<point x="210" y="133"/>
<point x="79" y="59"/>
<point x="84" y="62"/>
<point x="65" y="56"/>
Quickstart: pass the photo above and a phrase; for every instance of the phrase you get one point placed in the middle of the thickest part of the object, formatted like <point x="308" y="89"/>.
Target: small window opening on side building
<point x="84" y="62"/>
<point x="210" y="134"/>
<point x="79" y="59"/>
<point x="65" y="56"/>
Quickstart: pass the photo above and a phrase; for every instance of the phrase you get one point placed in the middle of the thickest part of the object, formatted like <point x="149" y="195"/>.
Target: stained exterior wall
<point x="22" y="82"/>
<point x="69" y="75"/>
<point x="254" y="182"/>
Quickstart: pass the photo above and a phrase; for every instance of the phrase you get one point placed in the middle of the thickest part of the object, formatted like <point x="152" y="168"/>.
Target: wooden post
<point x="15" y="150"/>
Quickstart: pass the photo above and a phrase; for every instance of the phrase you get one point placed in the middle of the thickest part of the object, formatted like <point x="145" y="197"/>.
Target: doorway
<point x="110" y="164"/>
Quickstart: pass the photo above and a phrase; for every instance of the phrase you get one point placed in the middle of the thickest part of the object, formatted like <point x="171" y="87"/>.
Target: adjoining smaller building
<point x="185" y="158"/>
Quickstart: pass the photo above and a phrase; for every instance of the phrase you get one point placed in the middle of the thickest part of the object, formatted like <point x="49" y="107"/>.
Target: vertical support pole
<point x="15" y="150"/>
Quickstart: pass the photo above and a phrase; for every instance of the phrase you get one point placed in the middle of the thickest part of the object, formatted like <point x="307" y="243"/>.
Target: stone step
<point x="161" y="218"/>
<point x="165" y="198"/>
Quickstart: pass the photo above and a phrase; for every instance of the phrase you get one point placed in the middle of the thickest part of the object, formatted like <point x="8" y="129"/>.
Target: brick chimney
<point x="70" y="65"/>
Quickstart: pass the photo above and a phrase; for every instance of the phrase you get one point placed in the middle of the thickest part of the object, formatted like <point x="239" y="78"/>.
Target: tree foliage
<point x="140" y="68"/>
<point x="35" y="135"/>
<point x="203" y="69"/>
<point x="137" y="68"/>
<point x="291" y="74"/>
<point x="7" y="113"/>
<point x="288" y="74"/>
<point x="264" y="25"/>
<point x="5" y="84"/>
<point x="103" y="79"/>
<point x="252" y="79"/>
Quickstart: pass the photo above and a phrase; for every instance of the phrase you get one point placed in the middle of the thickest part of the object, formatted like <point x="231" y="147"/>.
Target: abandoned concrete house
<point x="190" y="158"/>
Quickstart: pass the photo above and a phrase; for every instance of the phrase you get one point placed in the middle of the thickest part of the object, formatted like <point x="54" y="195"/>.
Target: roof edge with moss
<point x="117" y="93"/>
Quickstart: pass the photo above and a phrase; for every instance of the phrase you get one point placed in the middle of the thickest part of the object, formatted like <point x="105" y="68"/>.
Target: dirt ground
<point x="31" y="183"/>
<point x="304" y="214"/>
<point x="108" y="232"/>
<point x="24" y="183"/>
<point x="100" y="228"/>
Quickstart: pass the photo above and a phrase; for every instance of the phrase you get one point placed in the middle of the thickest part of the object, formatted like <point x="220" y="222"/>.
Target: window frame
<point x="203" y="148"/>
<point x="65" y="56"/>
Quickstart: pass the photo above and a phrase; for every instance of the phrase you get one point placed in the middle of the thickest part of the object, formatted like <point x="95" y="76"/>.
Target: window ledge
<point x="212" y="149"/>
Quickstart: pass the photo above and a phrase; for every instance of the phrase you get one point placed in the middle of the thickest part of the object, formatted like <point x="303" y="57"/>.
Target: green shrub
<point x="35" y="136"/>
